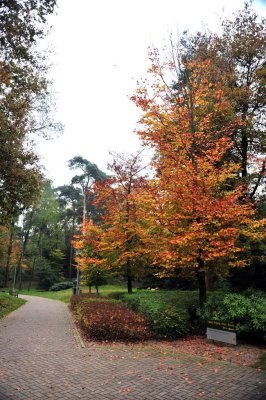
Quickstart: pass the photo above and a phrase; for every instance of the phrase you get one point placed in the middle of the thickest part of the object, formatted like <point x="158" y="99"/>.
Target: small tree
<point x="123" y="230"/>
<point x="89" y="256"/>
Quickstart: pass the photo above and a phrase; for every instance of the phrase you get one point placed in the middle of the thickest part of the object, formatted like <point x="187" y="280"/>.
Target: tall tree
<point x="71" y="206"/>
<point x="43" y="239"/>
<point x="239" y="55"/>
<point x="90" y="174"/>
<point x="242" y="47"/>
<point x="194" y="208"/>
<point x="24" y="90"/>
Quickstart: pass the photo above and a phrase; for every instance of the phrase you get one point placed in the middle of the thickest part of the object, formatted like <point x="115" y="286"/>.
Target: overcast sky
<point x="100" y="50"/>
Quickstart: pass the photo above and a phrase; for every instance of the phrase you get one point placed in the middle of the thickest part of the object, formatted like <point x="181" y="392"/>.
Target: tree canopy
<point x="24" y="94"/>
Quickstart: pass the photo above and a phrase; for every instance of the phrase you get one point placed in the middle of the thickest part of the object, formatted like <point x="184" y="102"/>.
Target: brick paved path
<point x="40" y="359"/>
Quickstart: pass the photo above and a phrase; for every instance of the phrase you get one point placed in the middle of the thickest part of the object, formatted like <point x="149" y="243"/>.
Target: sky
<point x="99" y="53"/>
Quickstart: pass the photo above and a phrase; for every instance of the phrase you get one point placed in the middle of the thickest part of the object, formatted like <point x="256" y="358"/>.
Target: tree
<point x="22" y="24"/>
<point x="43" y="240"/>
<point x="242" y="47"/>
<point x="123" y="231"/>
<point x="9" y="252"/>
<point x="24" y="94"/>
<point x="71" y="206"/>
<point x="239" y="55"/>
<point x="90" y="174"/>
<point x="197" y="214"/>
<point x="89" y="255"/>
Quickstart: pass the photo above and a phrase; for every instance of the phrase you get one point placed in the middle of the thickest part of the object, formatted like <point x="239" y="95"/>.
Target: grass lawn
<point x="9" y="303"/>
<point x="62" y="295"/>
<point x="65" y="295"/>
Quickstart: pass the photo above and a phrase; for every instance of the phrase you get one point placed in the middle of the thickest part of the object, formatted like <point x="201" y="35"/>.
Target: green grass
<point x="62" y="295"/>
<point x="65" y="295"/>
<point x="105" y="290"/>
<point x="9" y="303"/>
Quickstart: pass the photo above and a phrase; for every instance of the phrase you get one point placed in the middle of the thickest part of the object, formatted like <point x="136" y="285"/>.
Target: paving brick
<point x="41" y="359"/>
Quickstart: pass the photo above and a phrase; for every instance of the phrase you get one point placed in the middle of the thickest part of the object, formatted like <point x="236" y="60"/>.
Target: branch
<point x="263" y="169"/>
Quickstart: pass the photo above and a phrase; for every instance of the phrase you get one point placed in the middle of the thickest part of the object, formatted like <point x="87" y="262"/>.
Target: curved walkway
<point x="41" y="359"/>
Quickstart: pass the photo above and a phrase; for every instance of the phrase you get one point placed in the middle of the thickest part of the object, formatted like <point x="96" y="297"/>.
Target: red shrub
<point x="103" y="319"/>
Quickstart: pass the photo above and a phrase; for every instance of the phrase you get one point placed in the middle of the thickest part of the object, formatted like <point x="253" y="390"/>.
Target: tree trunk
<point x="209" y="279"/>
<point x="25" y="241"/>
<point x="32" y="273"/>
<point x="9" y="252"/>
<point x="20" y="277"/>
<point x="129" y="284"/>
<point x="201" y="282"/>
<point x="244" y="153"/>
<point x="70" y="261"/>
<point x="129" y="277"/>
<point x="71" y="246"/>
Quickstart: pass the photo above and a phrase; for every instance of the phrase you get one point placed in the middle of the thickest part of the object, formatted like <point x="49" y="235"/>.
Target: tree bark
<point x="129" y="284"/>
<point x="70" y="260"/>
<point x="32" y="273"/>
<point x="129" y="277"/>
<point x="209" y="279"/>
<point x="9" y="252"/>
<point x="201" y="282"/>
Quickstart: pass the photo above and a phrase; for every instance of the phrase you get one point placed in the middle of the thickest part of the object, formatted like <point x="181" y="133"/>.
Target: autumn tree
<point x="90" y="255"/>
<point x="199" y="218"/>
<point x="123" y="230"/>
<point x="239" y="55"/>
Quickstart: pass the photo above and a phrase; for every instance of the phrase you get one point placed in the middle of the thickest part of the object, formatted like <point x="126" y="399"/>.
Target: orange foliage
<point x="194" y="205"/>
<point x="123" y="229"/>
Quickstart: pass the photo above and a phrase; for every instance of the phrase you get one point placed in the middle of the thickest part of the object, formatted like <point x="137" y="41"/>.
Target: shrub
<point x="104" y="319"/>
<point x="78" y="299"/>
<point x="116" y="295"/>
<point x="167" y="313"/>
<point x="61" y="286"/>
<point x="247" y="312"/>
<point x="170" y="323"/>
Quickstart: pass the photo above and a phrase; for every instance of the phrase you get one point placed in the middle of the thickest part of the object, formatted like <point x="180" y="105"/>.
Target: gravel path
<point x="42" y="359"/>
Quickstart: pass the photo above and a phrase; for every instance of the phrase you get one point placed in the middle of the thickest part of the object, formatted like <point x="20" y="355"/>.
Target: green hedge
<point x="61" y="286"/>
<point x="168" y="313"/>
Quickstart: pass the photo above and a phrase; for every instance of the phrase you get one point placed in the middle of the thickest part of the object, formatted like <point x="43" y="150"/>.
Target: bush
<point x="167" y="313"/>
<point x="104" y="319"/>
<point x="170" y="323"/>
<point x="116" y="295"/>
<point x="82" y="298"/>
<point x="247" y="312"/>
<point x="61" y="286"/>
